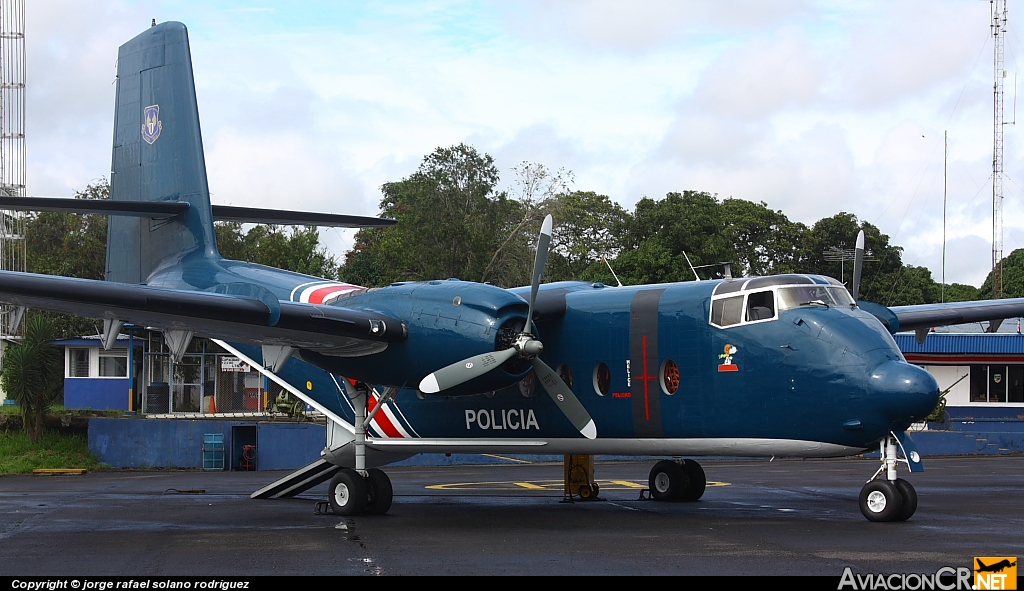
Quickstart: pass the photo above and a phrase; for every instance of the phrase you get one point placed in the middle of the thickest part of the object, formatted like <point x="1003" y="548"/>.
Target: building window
<point x="997" y="383"/>
<point x="113" y="366"/>
<point x="78" y="363"/>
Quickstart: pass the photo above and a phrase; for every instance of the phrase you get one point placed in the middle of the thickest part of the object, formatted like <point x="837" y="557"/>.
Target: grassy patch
<point x="19" y="456"/>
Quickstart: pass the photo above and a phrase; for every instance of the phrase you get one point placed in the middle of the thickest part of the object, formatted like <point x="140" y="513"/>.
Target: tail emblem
<point x="152" y="127"/>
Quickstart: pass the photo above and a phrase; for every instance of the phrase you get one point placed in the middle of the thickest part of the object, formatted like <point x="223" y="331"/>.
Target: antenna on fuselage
<point x="691" y="266"/>
<point x="858" y="264"/>
<point x="605" y="259"/>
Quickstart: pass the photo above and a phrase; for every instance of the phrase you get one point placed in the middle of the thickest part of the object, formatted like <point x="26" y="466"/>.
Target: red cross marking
<point x="646" y="380"/>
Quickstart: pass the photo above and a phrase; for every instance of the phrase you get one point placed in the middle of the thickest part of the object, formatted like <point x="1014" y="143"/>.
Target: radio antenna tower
<point x="12" y="151"/>
<point x="998" y="11"/>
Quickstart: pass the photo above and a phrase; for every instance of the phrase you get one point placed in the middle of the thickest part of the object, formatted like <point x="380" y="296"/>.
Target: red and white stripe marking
<point x="321" y="292"/>
<point x="385" y="422"/>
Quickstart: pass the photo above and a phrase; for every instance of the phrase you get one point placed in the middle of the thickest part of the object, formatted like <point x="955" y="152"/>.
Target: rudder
<point x="157" y="156"/>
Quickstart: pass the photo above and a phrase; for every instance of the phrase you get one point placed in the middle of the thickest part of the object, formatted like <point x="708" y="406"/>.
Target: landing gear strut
<point x="890" y="498"/>
<point x="677" y="480"/>
<point x="361" y="491"/>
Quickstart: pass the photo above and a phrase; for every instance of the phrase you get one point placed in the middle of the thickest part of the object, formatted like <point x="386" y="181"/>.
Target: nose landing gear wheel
<point x="909" y="497"/>
<point x="347" y="492"/>
<point x="880" y="500"/>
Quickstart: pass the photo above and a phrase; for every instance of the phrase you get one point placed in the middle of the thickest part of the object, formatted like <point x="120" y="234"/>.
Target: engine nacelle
<point x="447" y="321"/>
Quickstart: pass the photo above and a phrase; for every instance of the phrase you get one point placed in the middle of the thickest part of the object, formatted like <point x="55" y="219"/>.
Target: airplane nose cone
<point x="906" y="393"/>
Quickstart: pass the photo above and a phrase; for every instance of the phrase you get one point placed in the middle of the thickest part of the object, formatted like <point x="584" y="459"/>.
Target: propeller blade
<point x="565" y="399"/>
<point x="538" y="267"/>
<point x="858" y="265"/>
<point x="463" y="371"/>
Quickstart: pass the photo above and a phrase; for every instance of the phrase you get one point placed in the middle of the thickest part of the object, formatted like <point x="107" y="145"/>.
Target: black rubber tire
<point x="697" y="482"/>
<point x="347" y="492"/>
<point x="379" y="492"/>
<point x="586" y="493"/>
<point x="667" y="481"/>
<point x="909" y="499"/>
<point x="597" y="490"/>
<point x="880" y="501"/>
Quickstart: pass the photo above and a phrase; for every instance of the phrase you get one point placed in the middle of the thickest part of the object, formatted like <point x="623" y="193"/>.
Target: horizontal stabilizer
<point x="253" y="215"/>
<point x="221" y="213"/>
<point x="97" y="206"/>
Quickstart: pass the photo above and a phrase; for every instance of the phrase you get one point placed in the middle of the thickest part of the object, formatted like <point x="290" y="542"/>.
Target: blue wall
<point x="286" y="446"/>
<point x="178" y="443"/>
<point x="96" y="393"/>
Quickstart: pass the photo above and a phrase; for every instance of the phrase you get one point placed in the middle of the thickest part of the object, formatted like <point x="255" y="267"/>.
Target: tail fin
<point x="158" y="156"/>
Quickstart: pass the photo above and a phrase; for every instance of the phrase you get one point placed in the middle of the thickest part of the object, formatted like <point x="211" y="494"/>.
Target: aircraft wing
<point x="331" y="330"/>
<point x="929" y="315"/>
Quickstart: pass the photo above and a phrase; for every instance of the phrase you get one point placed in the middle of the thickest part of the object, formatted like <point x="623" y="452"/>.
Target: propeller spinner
<point x="526" y="346"/>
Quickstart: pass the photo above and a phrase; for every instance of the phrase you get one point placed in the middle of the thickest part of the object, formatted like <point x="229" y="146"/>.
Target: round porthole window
<point x="669" y="377"/>
<point x="602" y="379"/>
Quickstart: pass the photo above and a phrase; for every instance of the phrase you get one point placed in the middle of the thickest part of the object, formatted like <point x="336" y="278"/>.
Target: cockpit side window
<point x="760" y="306"/>
<point x="727" y="311"/>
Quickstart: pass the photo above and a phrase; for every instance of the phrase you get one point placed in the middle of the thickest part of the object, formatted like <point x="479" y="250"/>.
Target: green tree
<point x="32" y="373"/>
<point x="583" y="233"/>
<point x="70" y="245"/>
<point x="655" y="238"/>
<point x="766" y="241"/>
<point x="451" y="222"/>
<point x="958" y="292"/>
<point x="1013" y="277"/>
<point x="295" y="249"/>
<point x="884" y="279"/>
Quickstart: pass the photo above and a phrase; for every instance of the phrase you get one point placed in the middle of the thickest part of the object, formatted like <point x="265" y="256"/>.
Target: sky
<point x="811" y="107"/>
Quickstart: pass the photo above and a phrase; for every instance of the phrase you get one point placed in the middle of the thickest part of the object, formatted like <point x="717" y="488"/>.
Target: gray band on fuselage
<point x="643" y="355"/>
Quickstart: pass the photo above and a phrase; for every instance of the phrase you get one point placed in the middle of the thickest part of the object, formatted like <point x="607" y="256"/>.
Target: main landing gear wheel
<point x="668" y="481"/>
<point x="880" y="500"/>
<point x="380" y="492"/>
<point x="696" y="481"/>
<point x="348" y="492"/>
<point x="672" y="481"/>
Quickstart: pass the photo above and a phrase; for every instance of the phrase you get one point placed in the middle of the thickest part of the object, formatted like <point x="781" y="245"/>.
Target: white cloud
<point x="812" y="107"/>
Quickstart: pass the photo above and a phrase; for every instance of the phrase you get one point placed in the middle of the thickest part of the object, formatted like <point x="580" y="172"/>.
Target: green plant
<point x="32" y="374"/>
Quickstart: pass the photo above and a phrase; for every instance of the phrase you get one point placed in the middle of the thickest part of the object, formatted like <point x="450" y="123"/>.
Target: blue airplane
<point x="786" y="365"/>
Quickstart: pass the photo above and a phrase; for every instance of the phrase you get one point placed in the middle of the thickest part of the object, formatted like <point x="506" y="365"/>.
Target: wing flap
<point x="155" y="209"/>
<point x="207" y="314"/>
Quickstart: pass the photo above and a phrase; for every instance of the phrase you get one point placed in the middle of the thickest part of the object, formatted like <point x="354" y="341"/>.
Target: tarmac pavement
<point x="787" y="517"/>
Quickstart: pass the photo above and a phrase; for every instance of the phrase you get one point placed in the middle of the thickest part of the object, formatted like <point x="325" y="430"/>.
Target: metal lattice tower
<point x="998" y="10"/>
<point x="12" y="142"/>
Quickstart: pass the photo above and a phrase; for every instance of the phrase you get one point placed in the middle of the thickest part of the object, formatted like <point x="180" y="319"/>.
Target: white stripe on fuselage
<point x="705" y="446"/>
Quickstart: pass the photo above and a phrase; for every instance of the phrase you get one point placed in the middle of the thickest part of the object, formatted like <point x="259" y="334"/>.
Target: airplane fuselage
<point x="652" y="365"/>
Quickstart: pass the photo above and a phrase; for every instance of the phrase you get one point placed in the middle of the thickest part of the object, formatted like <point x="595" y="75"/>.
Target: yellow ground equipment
<point x="579" y="478"/>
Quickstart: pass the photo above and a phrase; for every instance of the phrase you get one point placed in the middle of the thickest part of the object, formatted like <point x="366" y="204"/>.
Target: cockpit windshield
<point x="813" y="295"/>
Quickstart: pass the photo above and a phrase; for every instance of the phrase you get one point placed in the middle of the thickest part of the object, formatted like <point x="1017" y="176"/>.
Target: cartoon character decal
<point x="726" y="357"/>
